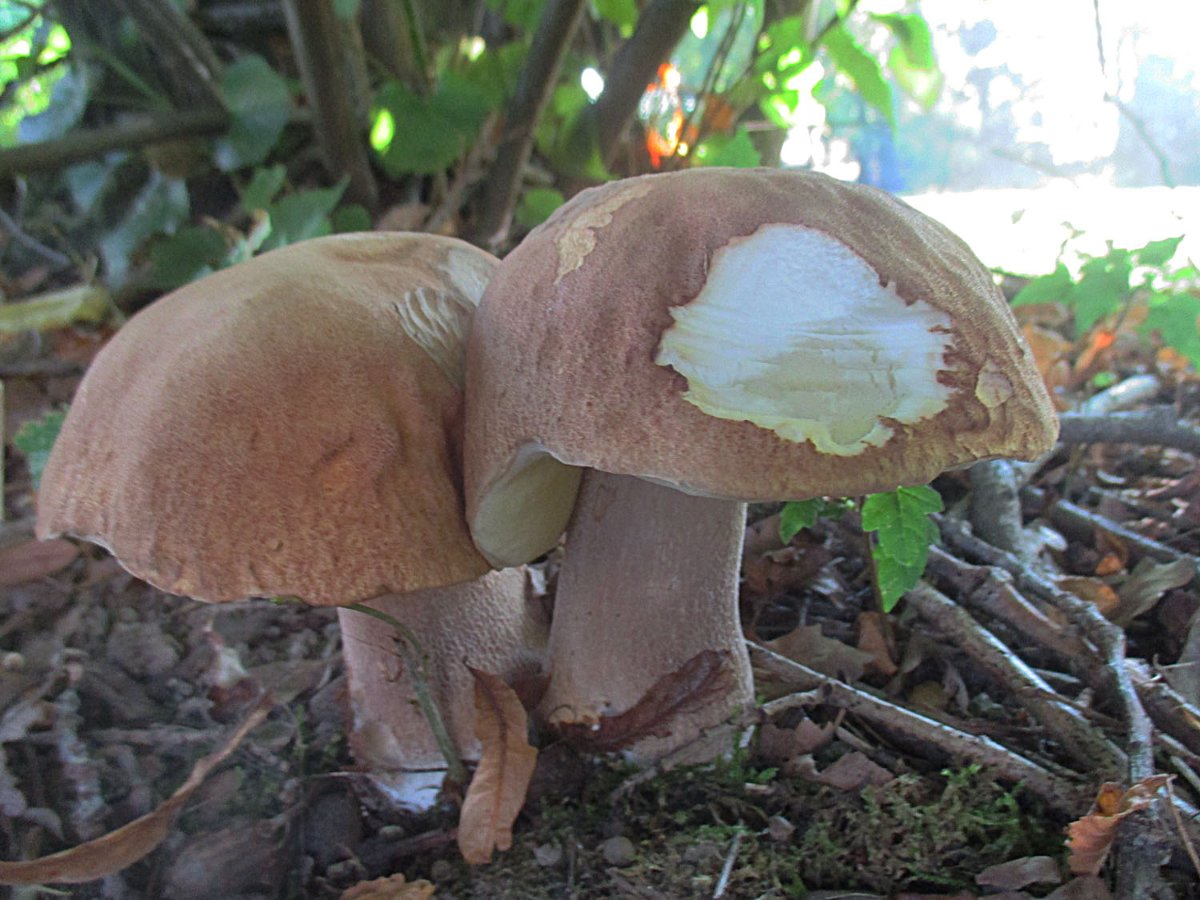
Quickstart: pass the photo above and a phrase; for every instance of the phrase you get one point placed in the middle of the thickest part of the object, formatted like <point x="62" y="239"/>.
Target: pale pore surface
<point x="794" y="333"/>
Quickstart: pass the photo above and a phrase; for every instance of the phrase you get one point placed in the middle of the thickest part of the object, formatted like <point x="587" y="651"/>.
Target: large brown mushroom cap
<point x="288" y="426"/>
<point x="749" y="334"/>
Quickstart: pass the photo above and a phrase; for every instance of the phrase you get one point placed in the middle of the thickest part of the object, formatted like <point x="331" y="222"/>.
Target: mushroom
<point x="666" y="347"/>
<point x="292" y="426"/>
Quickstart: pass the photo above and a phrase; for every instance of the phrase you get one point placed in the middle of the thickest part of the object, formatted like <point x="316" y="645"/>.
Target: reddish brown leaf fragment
<point x="1090" y="838"/>
<point x="706" y="676"/>
<point x="33" y="559"/>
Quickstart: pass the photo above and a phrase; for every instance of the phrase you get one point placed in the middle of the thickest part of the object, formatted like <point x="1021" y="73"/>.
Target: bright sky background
<point x="1052" y="45"/>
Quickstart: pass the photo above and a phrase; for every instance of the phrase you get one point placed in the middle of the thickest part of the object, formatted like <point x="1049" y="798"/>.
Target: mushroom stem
<point x="408" y="683"/>
<point x="648" y="588"/>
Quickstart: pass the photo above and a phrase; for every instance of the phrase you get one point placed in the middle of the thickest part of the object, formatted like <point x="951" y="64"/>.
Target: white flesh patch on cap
<point x="794" y="333"/>
<point x="438" y="322"/>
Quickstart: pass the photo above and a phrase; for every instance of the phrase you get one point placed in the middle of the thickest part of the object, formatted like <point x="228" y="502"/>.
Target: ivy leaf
<point x="1102" y="287"/>
<point x="912" y="61"/>
<point x="186" y="255"/>
<point x="856" y="62"/>
<point x="303" y="215"/>
<point x="796" y="516"/>
<point x="35" y="439"/>
<point x="1158" y="253"/>
<point x="1176" y="317"/>
<point x="263" y="186"/>
<point x="537" y="205"/>
<point x="1052" y="288"/>
<point x="904" y="532"/>
<point x="735" y="150"/>
<point x="258" y="99"/>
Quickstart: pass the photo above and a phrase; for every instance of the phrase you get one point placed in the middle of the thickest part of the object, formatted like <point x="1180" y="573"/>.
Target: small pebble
<point x="618" y="851"/>
<point x="441" y="870"/>
<point x="547" y="855"/>
<point x="780" y="829"/>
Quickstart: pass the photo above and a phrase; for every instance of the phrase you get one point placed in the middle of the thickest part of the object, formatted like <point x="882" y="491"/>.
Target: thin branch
<point x="1158" y="425"/>
<point x="1088" y="747"/>
<point x="52" y="256"/>
<point x="534" y="87"/>
<point x="326" y="61"/>
<point x="1055" y="791"/>
<point x="659" y="28"/>
<point x="84" y="145"/>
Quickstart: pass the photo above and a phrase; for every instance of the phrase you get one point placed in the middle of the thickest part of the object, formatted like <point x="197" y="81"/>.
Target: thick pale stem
<point x="487" y="623"/>
<point x="648" y="587"/>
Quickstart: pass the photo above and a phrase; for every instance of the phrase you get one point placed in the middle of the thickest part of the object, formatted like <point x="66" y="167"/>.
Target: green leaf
<point x="913" y="34"/>
<point x="1158" y="253"/>
<point x="797" y="515"/>
<point x="263" y="186"/>
<point x="1102" y="288"/>
<point x="35" y="439"/>
<point x="894" y="579"/>
<point x="1052" y="288"/>
<point x="622" y="13"/>
<point x="1177" y="320"/>
<point x="303" y="215"/>
<point x="524" y="14"/>
<point x="852" y="59"/>
<point x="351" y="217"/>
<point x="346" y="10"/>
<point x="82" y="303"/>
<point x="536" y="206"/>
<point x="188" y="254"/>
<point x="912" y="61"/>
<point x="68" y="99"/>
<point x="258" y="100"/>
<point x="160" y="206"/>
<point x="735" y="150"/>
<point x="904" y="533"/>
<point x="428" y="133"/>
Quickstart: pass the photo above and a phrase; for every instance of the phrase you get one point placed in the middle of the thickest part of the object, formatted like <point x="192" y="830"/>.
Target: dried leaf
<point x="129" y="843"/>
<point x="848" y="773"/>
<point x="497" y="792"/>
<point x="1146" y="585"/>
<point x="1018" y="873"/>
<point x="394" y="887"/>
<point x="1094" y="591"/>
<point x="701" y="680"/>
<point x="872" y="640"/>
<point x="33" y="559"/>
<point x="778" y="745"/>
<point x="1090" y="838"/>
<point x="806" y="644"/>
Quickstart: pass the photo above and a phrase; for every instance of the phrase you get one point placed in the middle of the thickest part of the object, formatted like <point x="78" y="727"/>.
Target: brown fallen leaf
<point x="1018" y="873"/>
<point x="497" y="791"/>
<point x="778" y="745"/>
<point x="847" y="773"/>
<point x="806" y="644"/>
<point x="872" y="640"/>
<point x="1093" y="590"/>
<point x="394" y="887"/>
<point x="32" y="559"/>
<point x="1090" y="838"/>
<point x="122" y="848"/>
<point x="1147" y="584"/>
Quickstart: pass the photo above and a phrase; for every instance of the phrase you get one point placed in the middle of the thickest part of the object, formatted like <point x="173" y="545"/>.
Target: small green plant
<point x="35" y="439"/>
<point x="1108" y="289"/>
<point x="903" y="531"/>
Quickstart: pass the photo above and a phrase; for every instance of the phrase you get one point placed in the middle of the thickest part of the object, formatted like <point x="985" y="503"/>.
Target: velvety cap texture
<point x="287" y="426"/>
<point x="749" y="334"/>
